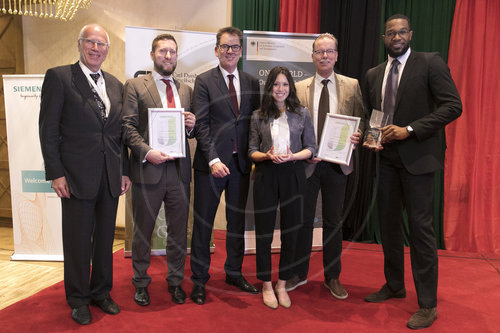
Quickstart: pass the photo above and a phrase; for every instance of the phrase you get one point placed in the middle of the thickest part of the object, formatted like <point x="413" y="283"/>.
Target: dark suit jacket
<point x="427" y="100"/>
<point x="75" y="141"/>
<point x="216" y="123"/>
<point x="139" y="95"/>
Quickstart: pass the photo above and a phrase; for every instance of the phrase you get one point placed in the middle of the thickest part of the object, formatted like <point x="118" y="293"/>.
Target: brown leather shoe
<point x="385" y="293"/>
<point x="422" y="318"/>
<point x="336" y="288"/>
<point x="295" y="282"/>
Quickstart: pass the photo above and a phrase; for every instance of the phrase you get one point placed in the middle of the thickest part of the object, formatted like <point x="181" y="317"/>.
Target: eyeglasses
<point x="391" y="34"/>
<point x="321" y="52"/>
<point x="225" y="47"/>
<point x="90" y="43"/>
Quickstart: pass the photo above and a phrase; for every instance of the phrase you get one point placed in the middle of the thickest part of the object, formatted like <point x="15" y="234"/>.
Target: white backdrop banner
<point x="195" y="52"/>
<point x="36" y="209"/>
<point x="264" y="50"/>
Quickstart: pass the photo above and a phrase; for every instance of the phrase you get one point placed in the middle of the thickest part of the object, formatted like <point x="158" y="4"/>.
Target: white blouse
<point x="280" y="132"/>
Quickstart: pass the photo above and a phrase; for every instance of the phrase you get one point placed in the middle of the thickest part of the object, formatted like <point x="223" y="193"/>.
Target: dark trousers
<point x="398" y="189"/>
<point x="207" y="192"/>
<point x="331" y="180"/>
<point x="146" y="202"/>
<point x="283" y="184"/>
<point x="88" y="228"/>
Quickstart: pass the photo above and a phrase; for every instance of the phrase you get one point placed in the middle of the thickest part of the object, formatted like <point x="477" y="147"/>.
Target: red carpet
<point x="468" y="300"/>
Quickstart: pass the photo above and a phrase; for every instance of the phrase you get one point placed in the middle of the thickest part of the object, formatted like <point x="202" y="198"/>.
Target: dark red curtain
<point x="472" y="169"/>
<point x="300" y="16"/>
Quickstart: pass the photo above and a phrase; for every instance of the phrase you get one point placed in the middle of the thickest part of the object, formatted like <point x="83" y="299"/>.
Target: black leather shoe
<point x="81" y="315"/>
<point x="198" y="294"/>
<point x="142" y="296"/>
<point x="107" y="305"/>
<point x="385" y="293"/>
<point x="241" y="283"/>
<point x="178" y="295"/>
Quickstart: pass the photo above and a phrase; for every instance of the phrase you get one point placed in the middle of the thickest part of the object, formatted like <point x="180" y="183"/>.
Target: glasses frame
<point x="321" y="52"/>
<point x="227" y="47"/>
<point x="402" y="33"/>
<point x="93" y="42"/>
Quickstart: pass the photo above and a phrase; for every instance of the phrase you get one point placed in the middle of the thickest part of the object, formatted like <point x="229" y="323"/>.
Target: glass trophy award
<point x="373" y="135"/>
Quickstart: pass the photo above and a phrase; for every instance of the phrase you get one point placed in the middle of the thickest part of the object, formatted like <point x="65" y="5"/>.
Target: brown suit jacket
<point x="139" y="95"/>
<point x="350" y="103"/>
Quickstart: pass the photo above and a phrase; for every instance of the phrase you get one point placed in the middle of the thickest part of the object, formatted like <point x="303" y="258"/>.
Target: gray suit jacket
<point x="350" y="103"/>
<point x="139" y="95"/>
<point x="301" y="133"/>
<point x="75" y="141"/>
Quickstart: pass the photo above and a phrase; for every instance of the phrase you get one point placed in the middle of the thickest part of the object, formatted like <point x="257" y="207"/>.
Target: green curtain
<point x="258" y="15"/>
<point x="431" y="22"/>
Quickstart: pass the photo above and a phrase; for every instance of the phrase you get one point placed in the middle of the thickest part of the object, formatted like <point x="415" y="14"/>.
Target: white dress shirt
<point x="332" y="94"/>
<point x="402" y="62"/>
<point x="100" y="86"/>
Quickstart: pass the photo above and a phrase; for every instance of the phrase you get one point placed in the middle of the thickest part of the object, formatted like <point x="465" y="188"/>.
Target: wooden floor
<point x="21" y="279"/>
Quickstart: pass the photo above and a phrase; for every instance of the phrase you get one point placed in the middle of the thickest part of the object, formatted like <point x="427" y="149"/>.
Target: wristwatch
<point x="410" y="131"/>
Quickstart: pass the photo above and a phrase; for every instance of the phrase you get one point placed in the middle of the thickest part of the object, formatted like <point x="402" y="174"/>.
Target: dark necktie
<point x="323" y="107"/>
<point x="391" y="90"/>
<point x="232" y="93"/>
<point x="234" y="100"/>
<point x="170" y="94"/>
<point x="97" y="98"/>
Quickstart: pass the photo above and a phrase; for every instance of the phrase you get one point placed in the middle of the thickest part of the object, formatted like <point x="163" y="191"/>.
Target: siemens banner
<point x="36" y="209"/>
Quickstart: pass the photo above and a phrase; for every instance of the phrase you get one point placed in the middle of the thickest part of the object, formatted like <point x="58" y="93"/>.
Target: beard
<point x="164" y="72"/>
<point x="395" y="54"/>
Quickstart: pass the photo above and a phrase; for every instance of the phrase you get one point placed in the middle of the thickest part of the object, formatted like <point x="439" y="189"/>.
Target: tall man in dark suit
<point x="341" y="95"/>
<point x="223" y="101"/>
<point x="80" y="116"/>
<point x="156" y="176"/>
<point x="417" y="95"/>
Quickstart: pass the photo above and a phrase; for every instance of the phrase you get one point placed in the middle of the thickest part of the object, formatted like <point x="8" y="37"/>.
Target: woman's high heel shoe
<point x="269" y="299"/>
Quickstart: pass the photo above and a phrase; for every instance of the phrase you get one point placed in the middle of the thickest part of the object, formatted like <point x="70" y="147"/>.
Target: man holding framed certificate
<point x="153" y="129"/>
<point x="324" y="94"/>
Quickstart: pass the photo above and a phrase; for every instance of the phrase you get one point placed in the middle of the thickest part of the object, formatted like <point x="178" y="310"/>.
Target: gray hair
<point x="329" y="36"/>
<point x="80" y="35"/>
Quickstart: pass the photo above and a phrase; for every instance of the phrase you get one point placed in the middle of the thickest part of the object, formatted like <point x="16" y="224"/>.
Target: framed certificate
<point x="335" y="145"/>
<point x="166" y="131"/>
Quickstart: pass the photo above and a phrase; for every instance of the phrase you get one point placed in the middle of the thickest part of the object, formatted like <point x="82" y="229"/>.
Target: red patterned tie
<point x="170" y="94"/>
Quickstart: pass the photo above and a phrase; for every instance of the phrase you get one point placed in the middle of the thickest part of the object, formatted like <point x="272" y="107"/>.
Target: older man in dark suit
<point x="223" y="101"/>
<point x="156" y="176"/>
<point x="80" y="115"/>
<point x="418" y="99"/>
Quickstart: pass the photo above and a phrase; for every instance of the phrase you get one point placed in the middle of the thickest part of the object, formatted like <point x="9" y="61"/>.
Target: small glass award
<point x="373" y="135"/>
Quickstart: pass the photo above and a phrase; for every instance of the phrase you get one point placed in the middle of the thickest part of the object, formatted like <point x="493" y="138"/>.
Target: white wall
<point x="49" y="43"/>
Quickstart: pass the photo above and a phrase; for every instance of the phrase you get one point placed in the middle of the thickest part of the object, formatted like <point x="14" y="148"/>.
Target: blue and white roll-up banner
<point x="36" y="209"/>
